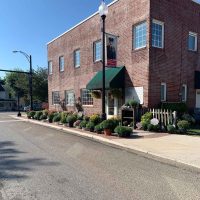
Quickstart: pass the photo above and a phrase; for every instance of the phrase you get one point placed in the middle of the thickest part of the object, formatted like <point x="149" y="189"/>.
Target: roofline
<point x="80" y="22"/>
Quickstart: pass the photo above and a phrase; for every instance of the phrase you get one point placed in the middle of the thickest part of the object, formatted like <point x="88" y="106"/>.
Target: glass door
<point x="111" y="105"/>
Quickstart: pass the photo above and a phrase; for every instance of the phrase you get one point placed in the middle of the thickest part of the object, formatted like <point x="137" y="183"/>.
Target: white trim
<point x="163" y="32"/>
<point x="184" y="99"/>
<point x="165" y="92"/>
<point x="97" y="12"/>
<point x="193" y="34"/>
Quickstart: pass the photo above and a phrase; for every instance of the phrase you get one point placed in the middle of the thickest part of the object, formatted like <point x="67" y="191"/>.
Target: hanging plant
<point x="116" y="93"/>
<point x="96" y="94"/>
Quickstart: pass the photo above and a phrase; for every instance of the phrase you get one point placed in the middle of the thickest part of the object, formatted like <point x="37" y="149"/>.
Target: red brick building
<point x="157" y="42"/>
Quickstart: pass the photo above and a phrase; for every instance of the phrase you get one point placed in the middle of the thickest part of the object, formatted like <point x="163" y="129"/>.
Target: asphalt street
<point x="39" y="163"/>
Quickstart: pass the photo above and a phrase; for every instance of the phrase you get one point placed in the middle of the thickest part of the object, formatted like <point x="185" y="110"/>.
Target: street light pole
<point x="103" y="11"/>
<point x="29" y="58"/>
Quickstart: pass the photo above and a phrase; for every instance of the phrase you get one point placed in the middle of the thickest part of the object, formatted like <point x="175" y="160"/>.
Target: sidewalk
<point x="176" y="148"/>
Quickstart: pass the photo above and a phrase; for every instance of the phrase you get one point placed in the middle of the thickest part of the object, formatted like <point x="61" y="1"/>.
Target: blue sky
<point x="28" y="25"/>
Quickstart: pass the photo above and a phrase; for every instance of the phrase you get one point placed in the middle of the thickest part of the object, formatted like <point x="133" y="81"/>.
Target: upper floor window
<point x="55" y="97"/>
<point x="184" y="93"/>
<point x="157" y="34"/>
<point x="77" y="58"/>
<point x="140" y="35"/>
<point x="97" y="51"/>
<point x="86" y="97"/>
<point x="61" y="63"/>
<point x="192" y="41"/>
<point x="163" y="92"/>
<point x="69" y="98"/>
<point x="50" y="70"/>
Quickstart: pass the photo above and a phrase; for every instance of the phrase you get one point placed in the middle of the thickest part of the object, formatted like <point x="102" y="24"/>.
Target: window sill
<point x="97" y="61"/>
<point x="192" y="51"/>
<point x="77" y="67"/>
<point x="162" y="48"/>
<point x="62" y="71"/>
<point x="139" y="49"/>
<point x="89" y="106"/>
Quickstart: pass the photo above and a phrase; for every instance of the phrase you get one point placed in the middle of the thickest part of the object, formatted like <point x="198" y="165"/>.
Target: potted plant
<point x="90" y="126"/>
<point x="98" y="129"/>
<point x="83" y="124"/>
<point x="107" y="126"/>
<point x="123" y="131"/>
<point x="77" y="123"/>
<point x="70" y="120"/>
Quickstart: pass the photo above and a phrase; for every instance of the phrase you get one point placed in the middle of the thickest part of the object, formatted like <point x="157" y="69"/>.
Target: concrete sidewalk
<point x="177" y="148"/>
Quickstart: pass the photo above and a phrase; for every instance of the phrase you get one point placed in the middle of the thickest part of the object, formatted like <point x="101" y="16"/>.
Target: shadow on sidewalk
<point x="13" y="167"/>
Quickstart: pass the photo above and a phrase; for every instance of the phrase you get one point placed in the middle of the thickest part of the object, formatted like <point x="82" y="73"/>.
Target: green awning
<point x="114" y="78"/>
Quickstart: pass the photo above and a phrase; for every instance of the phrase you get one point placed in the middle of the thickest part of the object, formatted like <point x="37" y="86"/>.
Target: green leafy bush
<point x="57" y="117"/>
<point x="151" y="127"/>
<point x="109" y="124"/>
<point x="31" y="114"/>
<point x="42" y="117"/>
<point x="123" y="131"/>
<point x="71" y="118"/>
<point x="188" y="118"/>
<point x="86" y="118"/>
<point x="171" y="129"/>
<point x="98" y="128"/>
<point x="37" y="115"/>
<point x="95" y="119"/>
<point x="90" y="126"/>
<point x="83" y="124"/>
<point x="133" y="103"/>
<point x="63" y="118"/>
<point x="183" y="125"/>
<point x="145" y="120"/>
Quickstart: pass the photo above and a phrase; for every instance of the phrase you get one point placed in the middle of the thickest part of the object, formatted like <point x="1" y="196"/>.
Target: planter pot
<point x="99" y="132"/>
<point x="71" y="124"/>
<point x="107" y="132"/>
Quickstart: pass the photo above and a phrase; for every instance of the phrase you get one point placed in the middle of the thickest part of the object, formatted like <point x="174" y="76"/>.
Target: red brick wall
<point x="120" y="20"/>
<point x="174" y="64"/>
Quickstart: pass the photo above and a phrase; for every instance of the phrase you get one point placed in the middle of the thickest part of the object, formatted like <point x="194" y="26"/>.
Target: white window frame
<point x="50" y="67"/>
<point x="134" y="35"/>
<point x="165" y="92"/>
<point x="195" y="36"/>
<point x="67" y="92"/>
<point x="85" y="103"/>
<point x="53" y="99"/>
<point x="75" y="61"/>
<point x="184" y="98"/>
<point x="61" y="64"/>
<point x="155" y="21"/>
<point x="95" y="58"/>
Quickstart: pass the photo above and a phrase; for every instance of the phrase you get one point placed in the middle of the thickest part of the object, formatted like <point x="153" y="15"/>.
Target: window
<point x="157" y="34"/>
<point x="184" y="93"/>
<point x="55" y="97"/>
<point x="163" y="91"/>
<point x="69" y="98"/>
<point x="192" y="41"/>
<point x="86" y="97"/>
<point x="61" y="63"/>
<point x="77" y="58"/>
<point x="196" y="1"/>
<point x="97" y="51"/>
<point x="140" y="35"/>
<point x="50" y="70"/>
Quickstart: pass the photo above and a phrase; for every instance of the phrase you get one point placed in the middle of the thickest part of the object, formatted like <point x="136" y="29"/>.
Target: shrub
<point x="63" y="118"/>
<point x="183" y="125"/>
<point x="95" y="119"/>
<point x="90" y="126"/>
<point x="123" y="131"/>
<point x="151" y="127"/>
<point x="57" y="117"/>
<point x="38" y="114"/>
<point x="188" y="118"/>
<point x="71" y="118"/>
<point x="31" y="114"/>
<point x="43" y="117"/>
<point x="45" y="112"/>
<point x="171" y="129"/>
<point x="86" y="118"/>
<point x="109" y="124"/>
<point x="145" y="120"/>
<point x="51" y="116"/>
<point x="98" y="128"/>
<point x="83" y="124"/>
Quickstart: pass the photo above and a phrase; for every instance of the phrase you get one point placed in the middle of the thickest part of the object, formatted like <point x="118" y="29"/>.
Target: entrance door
<point x="111" y="105"/>
<point x="198" y="99"/>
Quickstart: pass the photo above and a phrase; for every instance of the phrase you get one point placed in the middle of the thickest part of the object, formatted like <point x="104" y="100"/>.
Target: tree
<point x="19" y="84"/>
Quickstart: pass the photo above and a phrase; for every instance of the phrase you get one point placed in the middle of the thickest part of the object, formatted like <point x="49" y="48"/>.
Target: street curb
<point x="146" y="154"/>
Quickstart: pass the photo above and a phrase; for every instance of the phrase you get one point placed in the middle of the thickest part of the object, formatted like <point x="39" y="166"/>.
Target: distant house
<point x="6" y="102"/>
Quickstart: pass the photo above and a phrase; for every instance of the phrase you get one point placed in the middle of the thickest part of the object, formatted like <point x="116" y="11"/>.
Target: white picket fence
<point x="165" y="117"/>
